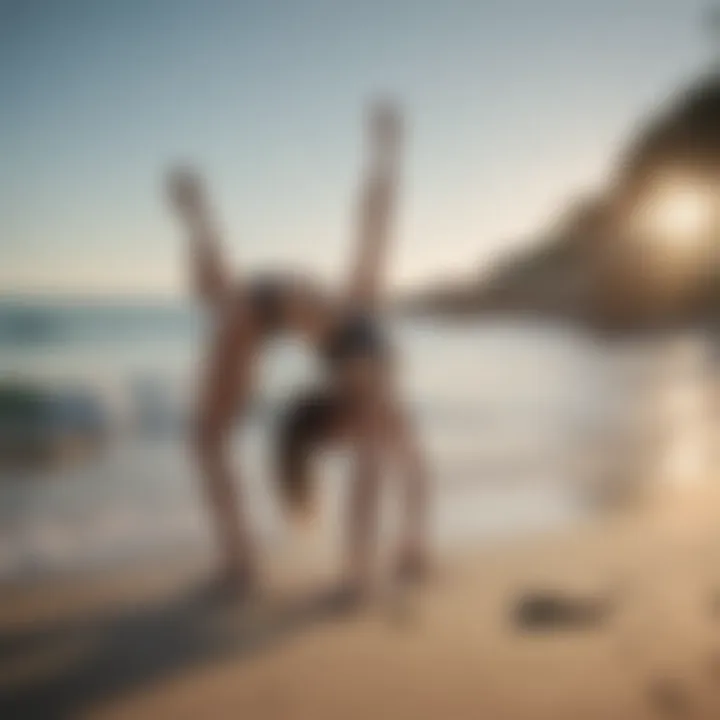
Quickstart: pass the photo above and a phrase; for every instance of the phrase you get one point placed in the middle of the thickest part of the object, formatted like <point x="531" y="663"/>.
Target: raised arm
<point x="377" y="196"/>
<point x="210" y="275"/>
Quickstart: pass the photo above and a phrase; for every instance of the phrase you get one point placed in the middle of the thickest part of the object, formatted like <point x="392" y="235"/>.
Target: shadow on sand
<point x="94" y="659"/>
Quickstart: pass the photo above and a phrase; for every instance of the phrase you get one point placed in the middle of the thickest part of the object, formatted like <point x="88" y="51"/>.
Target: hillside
<point x="582" y="270"/>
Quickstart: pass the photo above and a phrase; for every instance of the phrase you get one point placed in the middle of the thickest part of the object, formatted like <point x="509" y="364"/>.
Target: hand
<point x="228" y="585"/>
<point x="346" y="598"/>
<point x="412" y="565"/>
<point x="385" y="129"/>
<point x="186" y="192"/>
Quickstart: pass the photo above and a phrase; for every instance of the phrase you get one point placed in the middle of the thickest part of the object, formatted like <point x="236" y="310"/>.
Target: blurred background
<point x="554" y="290"/>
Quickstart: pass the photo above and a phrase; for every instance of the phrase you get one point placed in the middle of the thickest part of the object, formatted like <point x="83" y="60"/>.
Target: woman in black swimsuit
<point x="345" y="332"/>
<point x="244" y="313"/>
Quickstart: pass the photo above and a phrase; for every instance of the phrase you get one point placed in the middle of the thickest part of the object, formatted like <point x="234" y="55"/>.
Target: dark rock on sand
<point x="669" y="698"/>
<point x="713" y="667"/>
<point x="41" y="425"/>
<point x="547" y="611"/>
<point x="715" y="605"/>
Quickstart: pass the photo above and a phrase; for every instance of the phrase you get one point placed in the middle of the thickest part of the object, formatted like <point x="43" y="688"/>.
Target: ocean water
<point x="515" y="417"/>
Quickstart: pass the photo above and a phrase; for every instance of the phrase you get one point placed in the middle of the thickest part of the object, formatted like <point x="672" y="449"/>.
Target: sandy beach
<point x="139" y="643"/>
<point x="282" y="280"/>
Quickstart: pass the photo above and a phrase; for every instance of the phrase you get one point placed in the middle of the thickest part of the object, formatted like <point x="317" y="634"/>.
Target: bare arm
<point x="210" y="276"/>
<point x="376" y="207"/>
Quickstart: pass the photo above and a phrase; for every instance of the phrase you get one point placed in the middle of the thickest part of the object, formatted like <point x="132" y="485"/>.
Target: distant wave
<point x="29" y="322"/>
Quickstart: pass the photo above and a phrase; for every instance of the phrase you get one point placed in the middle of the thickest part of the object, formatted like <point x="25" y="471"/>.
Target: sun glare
<point x="677" y="218"/>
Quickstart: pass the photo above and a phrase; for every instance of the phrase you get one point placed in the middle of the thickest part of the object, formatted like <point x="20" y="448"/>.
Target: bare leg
<point x="364" y="496"/>
<point x="404" y="443"/>
<point x="210" y="276"/>
<point x="367" y="442"/>
<point x="223" y="390"/>
<point x="387" y="433"/>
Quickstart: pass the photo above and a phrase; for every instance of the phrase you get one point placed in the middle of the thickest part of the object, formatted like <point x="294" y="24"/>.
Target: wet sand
<point x="142" y="643"/>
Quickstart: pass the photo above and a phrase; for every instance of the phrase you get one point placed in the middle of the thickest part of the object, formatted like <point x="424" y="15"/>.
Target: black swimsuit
<point x="356" y="336"/>
<point x="268" y="298"/>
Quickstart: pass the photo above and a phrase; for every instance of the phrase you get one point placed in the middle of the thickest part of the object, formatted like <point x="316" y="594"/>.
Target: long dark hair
<point x="311" y="419"/>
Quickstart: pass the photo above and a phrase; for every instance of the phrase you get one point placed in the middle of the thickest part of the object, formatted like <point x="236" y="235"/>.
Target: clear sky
<point x="513" y="107"/>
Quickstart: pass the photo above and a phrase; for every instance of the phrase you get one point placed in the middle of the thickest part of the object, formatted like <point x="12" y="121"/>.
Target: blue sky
<point x="513" y="107"/>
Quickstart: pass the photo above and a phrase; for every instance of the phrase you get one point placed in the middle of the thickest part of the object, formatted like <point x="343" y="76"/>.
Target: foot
<point x="345" y="598"/>
<point x="412" y="566"/>
<point x="229" y="585"/>
<point x="185" y="190"/>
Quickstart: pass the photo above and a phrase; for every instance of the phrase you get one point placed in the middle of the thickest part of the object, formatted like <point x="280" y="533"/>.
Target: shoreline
<point x="452" y="648"/>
